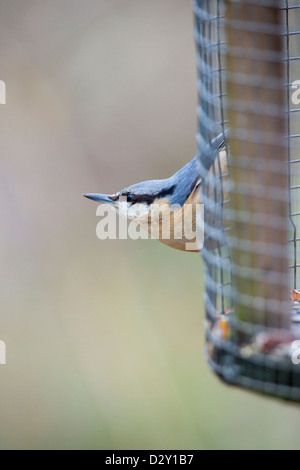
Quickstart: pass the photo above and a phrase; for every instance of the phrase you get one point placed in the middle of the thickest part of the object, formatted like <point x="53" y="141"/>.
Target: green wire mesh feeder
<point x="247" y="67"/>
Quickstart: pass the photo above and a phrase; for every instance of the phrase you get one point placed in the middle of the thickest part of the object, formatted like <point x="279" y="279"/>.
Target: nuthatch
<point x="182" y="191"/>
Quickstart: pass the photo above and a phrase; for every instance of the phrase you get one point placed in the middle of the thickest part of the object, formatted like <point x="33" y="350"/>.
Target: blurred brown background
<point x="104" y="339"/>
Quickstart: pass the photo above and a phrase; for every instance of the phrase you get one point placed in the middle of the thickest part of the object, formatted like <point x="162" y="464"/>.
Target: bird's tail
<point x="208" y="152"/>
<point x="221" y="140"/>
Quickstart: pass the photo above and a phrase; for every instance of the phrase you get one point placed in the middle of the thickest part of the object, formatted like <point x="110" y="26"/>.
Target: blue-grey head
<point x="138" y="199"/>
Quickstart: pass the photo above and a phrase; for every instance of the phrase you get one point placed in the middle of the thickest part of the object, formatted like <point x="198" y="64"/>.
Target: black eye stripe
<point x="149" y="198"/>
<point x="141" y="198"/>
<point x="166" y="192"/>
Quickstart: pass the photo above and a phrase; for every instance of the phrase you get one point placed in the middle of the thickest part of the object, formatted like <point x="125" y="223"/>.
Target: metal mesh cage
<point x="248" y="67"/>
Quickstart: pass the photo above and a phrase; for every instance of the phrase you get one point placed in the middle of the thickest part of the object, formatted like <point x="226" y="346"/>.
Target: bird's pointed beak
<point x="102" y="198"/>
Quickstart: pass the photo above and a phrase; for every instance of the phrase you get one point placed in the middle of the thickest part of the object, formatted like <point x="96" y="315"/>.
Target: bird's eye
<point x="129" y="197"/>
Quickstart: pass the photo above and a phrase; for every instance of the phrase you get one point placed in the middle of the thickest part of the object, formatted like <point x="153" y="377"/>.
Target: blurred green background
<point x="105" y="339"/>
